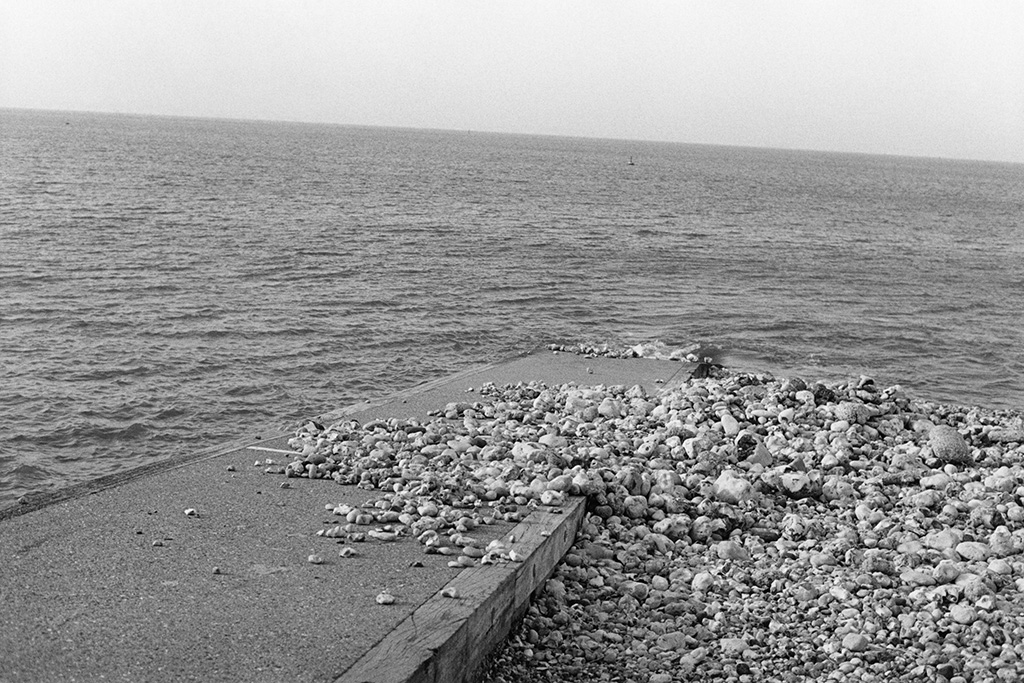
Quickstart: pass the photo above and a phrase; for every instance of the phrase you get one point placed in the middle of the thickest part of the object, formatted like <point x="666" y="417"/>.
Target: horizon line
<point x="241" y="119"/>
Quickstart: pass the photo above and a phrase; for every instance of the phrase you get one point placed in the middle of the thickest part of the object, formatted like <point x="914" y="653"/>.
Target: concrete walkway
<point x="112" y="581"/>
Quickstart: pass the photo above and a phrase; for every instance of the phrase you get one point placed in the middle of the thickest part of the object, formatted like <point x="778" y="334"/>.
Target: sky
<point x="909" y="77"/>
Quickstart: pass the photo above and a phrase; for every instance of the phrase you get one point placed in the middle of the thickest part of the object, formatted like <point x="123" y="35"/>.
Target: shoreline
<point x="738" y="526"/>
<point x="39" y="468"/>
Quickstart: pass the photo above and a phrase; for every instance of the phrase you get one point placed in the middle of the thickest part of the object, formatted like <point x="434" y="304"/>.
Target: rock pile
<point x="739" y="528"/>
<point x="656" y="349"/>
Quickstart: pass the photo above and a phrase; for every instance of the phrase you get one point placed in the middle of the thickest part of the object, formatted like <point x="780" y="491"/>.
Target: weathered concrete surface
<point x="86" y="595"/>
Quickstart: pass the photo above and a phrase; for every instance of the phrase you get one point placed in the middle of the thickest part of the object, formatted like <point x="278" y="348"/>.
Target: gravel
<point x="741" y="527"/>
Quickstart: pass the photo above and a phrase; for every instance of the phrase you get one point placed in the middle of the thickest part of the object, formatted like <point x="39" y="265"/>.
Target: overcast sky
<point x="922" y="78"/>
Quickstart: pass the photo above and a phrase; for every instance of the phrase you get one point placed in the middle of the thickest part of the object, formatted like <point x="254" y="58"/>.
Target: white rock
<point x="732" y="489"/>
<point x="1007" y="434"/>
<point x="927" y="499"/>
<point x="1001" y="543"/>
<point x="947" y="571"/>
<point x="973" y="550"/>
<point x="730" y="425"/>
<point x="963" y="614"/>
<point x="731" y="550"/>
<point x="1000" y="566"/>
<point x="609" y="409"/>
<point x="836" y="488"/>
<point x="702" y="581"/>
<point x="690" y="660"/>
<point x="855" y="642"/>
<point x="840" y="426"/>
<point x="795" y="482"/>
<point x="916" y="577"/>
<point x="553" y="441"/>
<point x="553" y="498"/>
<point x="939" y="480"/>
<point x="862" y="511"/>
<point x="942" y="540"/>
<point x="733" y="647"/>
<point x="1004" y="482"/>
<point x="672" y="641"/>
<point x="675" y="527"/>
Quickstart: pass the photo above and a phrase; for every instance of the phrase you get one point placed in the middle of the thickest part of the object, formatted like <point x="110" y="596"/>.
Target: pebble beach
<point x="739" y="526"/>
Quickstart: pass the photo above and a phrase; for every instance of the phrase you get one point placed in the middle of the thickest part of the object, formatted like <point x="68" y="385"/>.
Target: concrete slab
<point x="111" y="580"/>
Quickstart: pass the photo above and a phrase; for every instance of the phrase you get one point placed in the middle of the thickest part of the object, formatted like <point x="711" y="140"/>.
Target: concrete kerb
<point x="448" y="637"/>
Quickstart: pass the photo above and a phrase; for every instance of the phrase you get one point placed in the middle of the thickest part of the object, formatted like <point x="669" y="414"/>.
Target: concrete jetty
<point x="112" y="580"/>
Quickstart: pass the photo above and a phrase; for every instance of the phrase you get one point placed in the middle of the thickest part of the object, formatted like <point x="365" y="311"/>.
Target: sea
<point x="169" y="284"/>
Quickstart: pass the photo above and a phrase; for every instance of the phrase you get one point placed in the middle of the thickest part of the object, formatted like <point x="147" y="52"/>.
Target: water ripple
<point x="172" y="283"/>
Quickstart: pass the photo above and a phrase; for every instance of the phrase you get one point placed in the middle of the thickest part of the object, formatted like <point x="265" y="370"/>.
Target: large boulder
<point x="948" y="445"/>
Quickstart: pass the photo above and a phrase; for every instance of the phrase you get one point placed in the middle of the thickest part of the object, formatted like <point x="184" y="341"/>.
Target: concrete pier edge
<point x="443" y="629"/>
<point x="448" y="637"/>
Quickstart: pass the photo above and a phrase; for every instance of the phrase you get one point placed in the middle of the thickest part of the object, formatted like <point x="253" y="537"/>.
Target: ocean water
<point x="167" y="284"/>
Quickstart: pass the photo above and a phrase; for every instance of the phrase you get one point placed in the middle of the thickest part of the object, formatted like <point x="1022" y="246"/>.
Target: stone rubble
<point x="740" y="527"/>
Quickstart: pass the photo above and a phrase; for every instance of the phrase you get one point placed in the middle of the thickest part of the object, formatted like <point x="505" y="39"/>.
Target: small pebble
<point x="385" y="598"/>
<point x="973" y="550"/>
<point x="731" y="550"/>
<point x="963" y="614"/>
<point x="702" y="582"/>
<point x="1000" y="566"/>
<point x="855" y="642"/>
<point x="733" y="647"/>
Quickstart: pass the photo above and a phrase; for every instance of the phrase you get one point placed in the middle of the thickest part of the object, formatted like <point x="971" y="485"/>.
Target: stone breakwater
<point x="740" y="527"/>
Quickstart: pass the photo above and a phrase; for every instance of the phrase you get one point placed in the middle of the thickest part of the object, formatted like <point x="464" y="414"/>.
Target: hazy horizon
<point x="494" y="132"/>
<point x="924" y="79"/>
